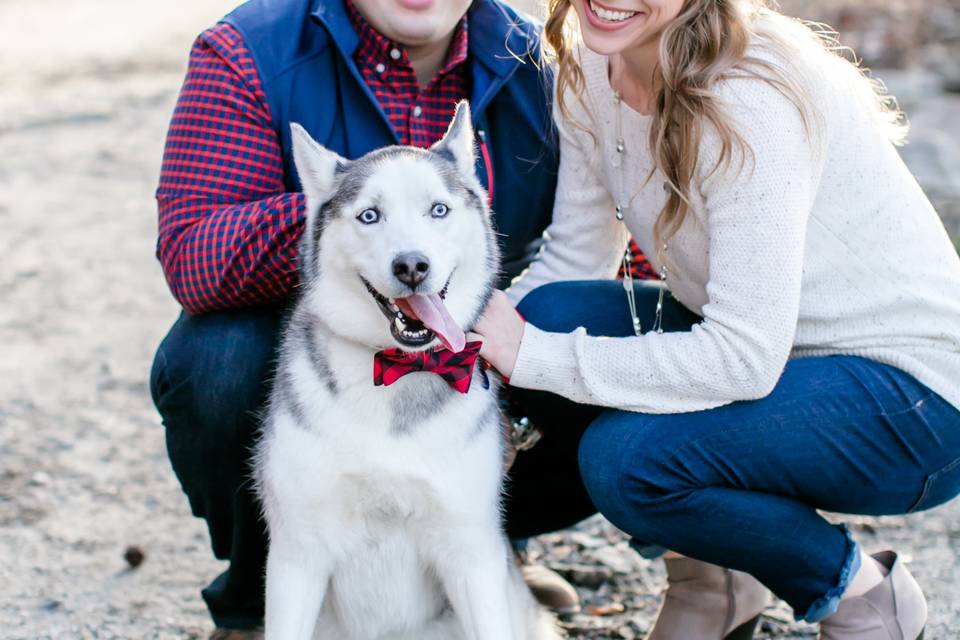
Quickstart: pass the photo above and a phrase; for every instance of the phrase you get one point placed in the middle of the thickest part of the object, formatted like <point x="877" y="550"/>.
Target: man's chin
<point x="418" y="33"/>
<point x="414" y="23"/>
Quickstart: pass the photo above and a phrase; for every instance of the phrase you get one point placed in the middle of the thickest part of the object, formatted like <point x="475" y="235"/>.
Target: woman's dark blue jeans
<point x="740" y="485"/>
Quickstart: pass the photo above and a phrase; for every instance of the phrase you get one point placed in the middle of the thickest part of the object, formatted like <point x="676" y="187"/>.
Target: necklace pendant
<point x="619" y="213"/>
<point x="620" y="146"/>
<point x="658" y="317"/>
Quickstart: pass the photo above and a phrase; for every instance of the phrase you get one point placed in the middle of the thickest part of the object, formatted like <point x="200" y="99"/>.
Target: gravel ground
<point x="87" y="92"/>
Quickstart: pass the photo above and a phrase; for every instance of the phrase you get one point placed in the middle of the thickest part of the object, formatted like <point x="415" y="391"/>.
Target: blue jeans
<point x="210" y="381"/>
<point x="740" y="485"/>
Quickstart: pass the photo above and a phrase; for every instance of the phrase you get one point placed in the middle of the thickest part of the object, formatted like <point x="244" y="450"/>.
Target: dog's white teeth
<point x="413" y="335"/>
<point x="401" y="326"/>
<point x="611" y="16"/>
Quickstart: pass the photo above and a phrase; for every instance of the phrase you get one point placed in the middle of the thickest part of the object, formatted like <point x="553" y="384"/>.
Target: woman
<point x="808" y="354"/>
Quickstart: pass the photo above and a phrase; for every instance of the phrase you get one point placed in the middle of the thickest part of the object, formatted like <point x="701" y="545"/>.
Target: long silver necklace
<point x="621" y="204"/>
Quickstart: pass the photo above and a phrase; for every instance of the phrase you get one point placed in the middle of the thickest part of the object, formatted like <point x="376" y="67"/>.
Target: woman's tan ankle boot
<point x="895" y="609"/>
<point x="707" y="602"/>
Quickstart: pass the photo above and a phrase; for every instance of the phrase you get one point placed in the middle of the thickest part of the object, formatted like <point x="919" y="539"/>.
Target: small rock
<point x="642" y="626"/>
<point x="771" y="627"/>
<point x="51" y="605"/>
<point x="584" y="575"/>
<point x="606" y="609"/>
<point x="40" y="479"/>
<point x="134" y="556"/>
<point x="777" y="614"/>
<point x="621" y="560"/>
<point x="562" y="551"/>
<point x="587" y="541"/>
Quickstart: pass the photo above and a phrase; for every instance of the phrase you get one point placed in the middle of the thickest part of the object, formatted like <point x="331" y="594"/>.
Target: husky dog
<point x="383" y="502"/>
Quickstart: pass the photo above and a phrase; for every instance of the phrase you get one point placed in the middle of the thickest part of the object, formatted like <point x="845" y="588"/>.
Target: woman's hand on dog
<point x="501" y="329"/>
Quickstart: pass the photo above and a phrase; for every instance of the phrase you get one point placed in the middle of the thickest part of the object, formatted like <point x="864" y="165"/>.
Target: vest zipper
<point x="487" y="163"/>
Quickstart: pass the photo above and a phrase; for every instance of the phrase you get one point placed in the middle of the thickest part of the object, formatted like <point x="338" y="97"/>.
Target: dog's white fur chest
<point x="354" y="454"/>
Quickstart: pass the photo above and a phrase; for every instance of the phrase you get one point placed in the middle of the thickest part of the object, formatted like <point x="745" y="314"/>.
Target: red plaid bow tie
<point x="390" y="365"/>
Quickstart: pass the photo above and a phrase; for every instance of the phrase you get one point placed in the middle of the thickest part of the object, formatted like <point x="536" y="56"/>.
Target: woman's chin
<point x="606" y="45"/>
<point x="605" y="42"/>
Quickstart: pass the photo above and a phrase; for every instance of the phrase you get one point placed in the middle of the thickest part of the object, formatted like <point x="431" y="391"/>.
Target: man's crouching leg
<point x="210" y="381"/>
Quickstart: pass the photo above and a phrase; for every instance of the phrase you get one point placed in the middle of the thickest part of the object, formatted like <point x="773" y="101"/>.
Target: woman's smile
<point x="608" y="18"/>
<point x="616" y="26"/>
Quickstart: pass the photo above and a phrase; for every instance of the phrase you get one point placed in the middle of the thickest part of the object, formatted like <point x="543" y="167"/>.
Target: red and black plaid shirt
<point x="419" y="118"/>
<point x="227" y="229"/>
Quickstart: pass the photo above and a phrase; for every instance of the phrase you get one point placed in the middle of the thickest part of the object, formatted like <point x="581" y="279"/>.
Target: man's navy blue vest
<point x="303" y="50"/>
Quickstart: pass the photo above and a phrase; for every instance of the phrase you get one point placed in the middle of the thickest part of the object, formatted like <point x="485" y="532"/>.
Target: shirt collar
<point x="373" y="40"/>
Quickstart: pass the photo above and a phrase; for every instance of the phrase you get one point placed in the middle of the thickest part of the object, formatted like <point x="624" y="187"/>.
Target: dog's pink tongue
<point x="431" y="311"/>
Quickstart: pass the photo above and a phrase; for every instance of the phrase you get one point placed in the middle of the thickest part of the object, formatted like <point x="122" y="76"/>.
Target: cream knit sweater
<point x="823" y="245"/>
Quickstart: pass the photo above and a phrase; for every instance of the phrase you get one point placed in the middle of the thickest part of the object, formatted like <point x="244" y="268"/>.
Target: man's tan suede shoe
<point x="549" y="587"/>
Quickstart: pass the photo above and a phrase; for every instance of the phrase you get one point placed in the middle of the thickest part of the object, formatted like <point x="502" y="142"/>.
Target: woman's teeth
<point x="611" y="16"/>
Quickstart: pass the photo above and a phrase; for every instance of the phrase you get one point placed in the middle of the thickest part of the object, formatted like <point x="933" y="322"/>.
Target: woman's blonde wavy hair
<point x="710" y="41"/>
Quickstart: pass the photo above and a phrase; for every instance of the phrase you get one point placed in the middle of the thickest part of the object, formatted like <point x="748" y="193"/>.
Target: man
<point x="358" y="75"/>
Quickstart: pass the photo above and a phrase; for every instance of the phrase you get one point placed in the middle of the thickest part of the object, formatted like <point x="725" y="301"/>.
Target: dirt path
<point x="87" y="91"/>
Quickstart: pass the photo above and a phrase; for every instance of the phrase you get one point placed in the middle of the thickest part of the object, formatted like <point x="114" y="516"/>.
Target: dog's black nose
<point x="411" y="268"/>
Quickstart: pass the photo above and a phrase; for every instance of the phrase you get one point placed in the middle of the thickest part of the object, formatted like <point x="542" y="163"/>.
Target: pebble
<point x="134" y="556"/>
<point x="620" y="560"/>
<point x="608" y="609"/>
<point x="587" y="540"/>
<point x="584" y="575"/>
<point x="40" y="479"/>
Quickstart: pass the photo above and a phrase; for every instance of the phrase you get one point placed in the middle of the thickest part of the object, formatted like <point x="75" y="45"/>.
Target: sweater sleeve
<point x="756" y="218"/>
<point x="227" y="229"/>
<point x="584" y="240"/>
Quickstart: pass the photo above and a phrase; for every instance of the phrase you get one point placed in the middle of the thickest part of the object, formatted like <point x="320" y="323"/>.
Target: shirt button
<point x="395" y="53"/>
<point x="381" y="67"/>
<point x="417" y="111"/>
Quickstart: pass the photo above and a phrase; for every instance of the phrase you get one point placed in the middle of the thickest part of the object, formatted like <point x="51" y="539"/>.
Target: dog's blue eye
<point x="439" y="210"/>
<point x="369" y="216"/>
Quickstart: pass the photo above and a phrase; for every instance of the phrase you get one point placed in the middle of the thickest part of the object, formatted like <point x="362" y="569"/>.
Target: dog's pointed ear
<point x="457" y="143"/>
<point x="316" y="165"/>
